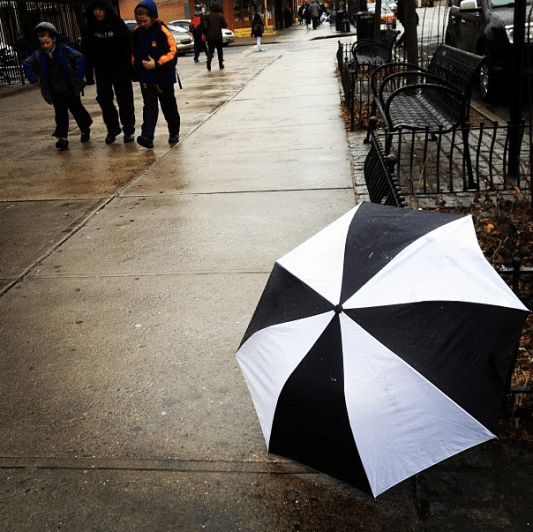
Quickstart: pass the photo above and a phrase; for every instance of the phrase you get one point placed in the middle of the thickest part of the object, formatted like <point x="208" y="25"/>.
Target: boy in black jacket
<point x="106" y="42"/>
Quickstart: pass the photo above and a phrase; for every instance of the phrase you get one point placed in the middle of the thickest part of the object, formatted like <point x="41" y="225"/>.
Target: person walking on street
<point x="154" y="59"/>
<point x="215" y="21"/>
<point x="315" y="13"/>
<point x="60" y="70"/>
<point x="257" y="29"/>
<point x="106" y="43"/>
<point x="195" y="28"/>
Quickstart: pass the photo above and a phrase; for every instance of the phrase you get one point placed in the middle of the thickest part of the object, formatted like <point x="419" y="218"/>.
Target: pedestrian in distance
<point x="314" y="10"/>
<point x="60" y="70"/>
<point x="213" y="25"/>
<point x="258" y="29"/>
<point x="307" y="16"/>
<point x="196" y="29"/>
<point x="154" y="58"/>
<point x="106" y="43"/>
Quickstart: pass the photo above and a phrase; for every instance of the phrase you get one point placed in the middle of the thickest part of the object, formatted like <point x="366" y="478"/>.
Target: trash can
<point x="364" y="23"/>
<point x="339" y="16"/>
<point x="345" y="24"/>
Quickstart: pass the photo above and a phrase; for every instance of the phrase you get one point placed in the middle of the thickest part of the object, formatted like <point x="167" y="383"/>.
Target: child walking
<point x="154" y="58"/>
<point x="106" y="43"/>
<point x="60" y="69"/>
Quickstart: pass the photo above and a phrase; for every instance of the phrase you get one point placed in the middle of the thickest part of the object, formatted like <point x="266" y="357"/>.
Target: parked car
<point x="227" y="35"/>
<point x="184" y="39"/>
<point x="8" y="62"/>
<point x="485" y="27"/>
<point x="8" y="56"/>
<point x="388" y="16"/>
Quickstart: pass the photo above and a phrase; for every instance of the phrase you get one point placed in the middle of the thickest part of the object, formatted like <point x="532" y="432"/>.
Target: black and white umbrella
<point x="381" y="346"/>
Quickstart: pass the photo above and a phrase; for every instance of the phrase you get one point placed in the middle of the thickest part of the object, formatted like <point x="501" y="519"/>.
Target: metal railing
<point x="433" y="164"/>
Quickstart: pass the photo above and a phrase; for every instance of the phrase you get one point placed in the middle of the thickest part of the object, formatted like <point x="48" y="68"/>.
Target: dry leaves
<point x="504" y="227"/>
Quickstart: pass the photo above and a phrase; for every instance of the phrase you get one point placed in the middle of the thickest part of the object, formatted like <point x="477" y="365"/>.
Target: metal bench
<point x="436" y="99"/>
<point x="381" y="181"/>
<point x="371" y="53"/>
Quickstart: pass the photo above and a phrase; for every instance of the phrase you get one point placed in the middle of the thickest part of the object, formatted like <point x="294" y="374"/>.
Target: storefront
<point x="240" y="13"/>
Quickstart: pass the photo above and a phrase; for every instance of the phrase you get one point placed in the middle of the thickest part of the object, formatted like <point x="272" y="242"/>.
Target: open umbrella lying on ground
<point x="381" y="346"/>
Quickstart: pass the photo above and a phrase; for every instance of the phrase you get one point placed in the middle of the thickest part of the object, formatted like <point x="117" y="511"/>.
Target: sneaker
<point x="85" y="136"/>
<point x="62" y="144"/>
<point x="111" y="136"/>
<point x="145" y="142"/>
<point x="196" y="60"/>
<point x="174" y="139"/>
<point x="208" y="64"/>
<point x="128" y="138"/>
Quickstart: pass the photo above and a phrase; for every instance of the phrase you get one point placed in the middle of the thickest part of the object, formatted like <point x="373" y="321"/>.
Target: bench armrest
<point x="377" y="75"/>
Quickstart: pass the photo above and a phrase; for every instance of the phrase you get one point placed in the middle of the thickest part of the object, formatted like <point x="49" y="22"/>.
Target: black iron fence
<point x="433" y="164"/>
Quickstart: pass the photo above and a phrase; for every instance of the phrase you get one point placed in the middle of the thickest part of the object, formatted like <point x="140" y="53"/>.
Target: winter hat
<point x="46" y="26"/>
<point x="150" y="5"/>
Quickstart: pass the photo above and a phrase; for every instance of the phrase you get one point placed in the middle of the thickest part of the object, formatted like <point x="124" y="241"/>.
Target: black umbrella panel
<point x="381" y="346"/>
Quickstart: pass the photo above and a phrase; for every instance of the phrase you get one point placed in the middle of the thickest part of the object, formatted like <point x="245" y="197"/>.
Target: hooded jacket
<point x="106" y="44"/>
<point x="215" y="23"/>
<point x="158" y="43"/>
<point x="72" y="65"/>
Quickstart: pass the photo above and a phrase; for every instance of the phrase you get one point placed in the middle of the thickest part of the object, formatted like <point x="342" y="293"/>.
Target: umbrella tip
<point x="338" y="309"/>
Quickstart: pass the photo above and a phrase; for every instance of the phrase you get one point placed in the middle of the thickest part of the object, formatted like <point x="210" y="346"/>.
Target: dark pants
<point x="211" y="45"/>
<point x="120" y="83"/>
<point x="72" y="103"/>
<point x="199" y="46"/>
<point x="164" y="94"/>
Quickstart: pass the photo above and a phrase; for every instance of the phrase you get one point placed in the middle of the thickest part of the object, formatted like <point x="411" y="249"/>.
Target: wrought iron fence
<point x="430" y="164"/>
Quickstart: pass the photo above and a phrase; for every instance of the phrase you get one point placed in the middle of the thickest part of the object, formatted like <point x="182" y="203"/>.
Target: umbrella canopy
<point x="381" y="346"/>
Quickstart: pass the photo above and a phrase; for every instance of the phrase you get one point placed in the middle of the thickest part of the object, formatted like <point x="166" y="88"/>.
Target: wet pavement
<point x="128" y="278"/>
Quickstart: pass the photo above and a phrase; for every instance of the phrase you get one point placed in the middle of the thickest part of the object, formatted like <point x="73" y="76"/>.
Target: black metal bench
<point x="436" y="99"/>
<point x="381" y="182"/>
<point x="371" y="53"/>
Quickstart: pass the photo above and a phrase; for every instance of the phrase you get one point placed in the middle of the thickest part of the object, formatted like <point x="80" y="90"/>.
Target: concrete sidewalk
<point x="122" y="405"/>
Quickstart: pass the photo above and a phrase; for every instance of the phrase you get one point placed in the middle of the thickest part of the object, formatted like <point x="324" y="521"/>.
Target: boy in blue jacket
<point x="60" y="69"/>
<point x="154" y="58"/>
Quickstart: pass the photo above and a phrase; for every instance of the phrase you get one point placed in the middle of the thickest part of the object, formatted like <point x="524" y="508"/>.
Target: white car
<point x="184" y="39"/>
<point x="227" y="35"/>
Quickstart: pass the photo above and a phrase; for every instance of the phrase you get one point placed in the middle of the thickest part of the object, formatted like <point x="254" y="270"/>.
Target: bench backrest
<point x="380" y="179"/>
<point x="455" y="66"/>
<point x="376" y="52"/>
<point x="389" y="38"/>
